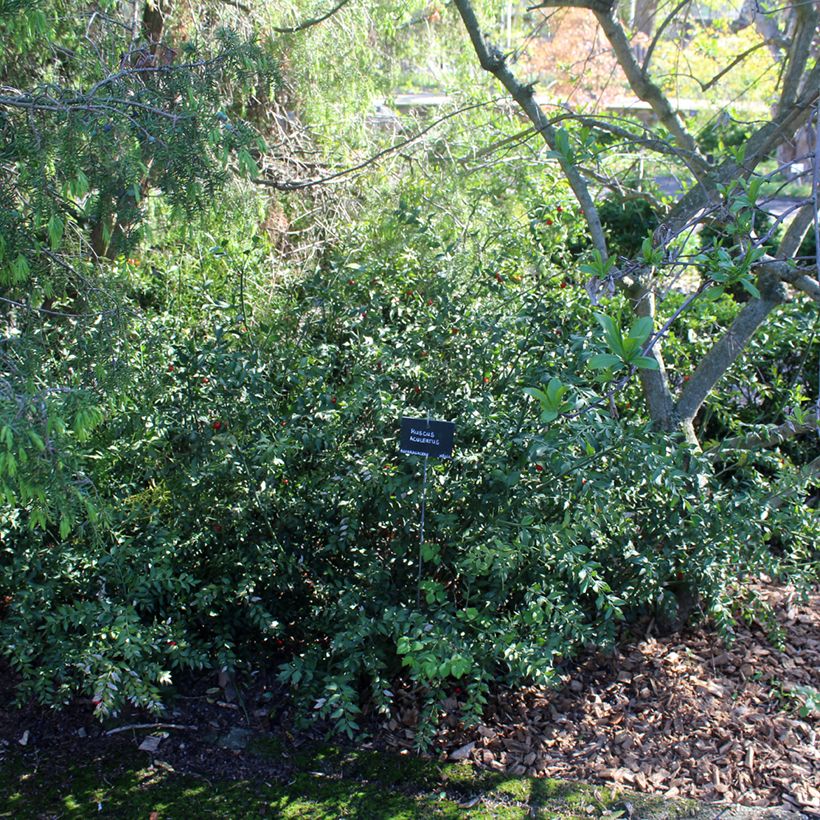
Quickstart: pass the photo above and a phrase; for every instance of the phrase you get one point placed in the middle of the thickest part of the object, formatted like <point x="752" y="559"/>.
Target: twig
<point x="313" y="21"/>
<point x="309" y="183"/>
<point x="134" y="726"/>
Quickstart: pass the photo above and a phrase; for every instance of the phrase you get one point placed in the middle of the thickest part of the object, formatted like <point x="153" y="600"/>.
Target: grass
<point x="329" y="782"/>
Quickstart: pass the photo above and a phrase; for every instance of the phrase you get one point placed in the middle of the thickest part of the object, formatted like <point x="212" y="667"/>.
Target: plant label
<point x="427" y="437"/>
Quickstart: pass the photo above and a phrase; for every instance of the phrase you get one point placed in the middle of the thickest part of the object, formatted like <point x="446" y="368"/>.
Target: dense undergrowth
<point x="254" y="506"/>
<point x="199" y="440"/>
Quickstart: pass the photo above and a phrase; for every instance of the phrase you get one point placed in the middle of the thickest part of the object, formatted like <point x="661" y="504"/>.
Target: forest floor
<point x="646" y="729"/>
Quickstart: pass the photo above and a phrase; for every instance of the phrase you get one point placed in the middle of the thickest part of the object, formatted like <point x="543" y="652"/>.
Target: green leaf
<point x="747" y="285"/>
<point x="641" y="329"/>
<point x="601" y="361"/>
<point x="247" y="164"/>
<point x="612" y="334"/>
<point x="537" y="394"/>
<point x="20" y="269"/>
<point x="555" y="391"/>
<point x="645" y="363"/>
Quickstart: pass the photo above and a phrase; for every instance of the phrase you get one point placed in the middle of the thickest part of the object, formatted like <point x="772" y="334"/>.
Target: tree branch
<point x="797" y="230"/>
<point x="724" y="71"/>
<point x="753" y="11"/>
<point x="800" y="47"/>
<point x="297" y="185"/>
<point x="786" y="273"/>
<point x="771" y="437"/>
<point x="313" y="21"/>
<point x="644" y="88"/>
<point x="726" y="350"/>
<point x="604" y="6"/>
<point x="493" y="61"/>
<point x="654" y="383"/>
<point x="760" y="145"/>
<point x="666" y="21"/>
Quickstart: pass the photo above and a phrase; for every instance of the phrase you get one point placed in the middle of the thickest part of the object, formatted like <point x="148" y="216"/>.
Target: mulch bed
<point x="682" y="716"/>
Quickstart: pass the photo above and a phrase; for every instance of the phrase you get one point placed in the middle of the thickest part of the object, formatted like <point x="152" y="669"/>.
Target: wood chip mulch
<point x="683" y="716"/>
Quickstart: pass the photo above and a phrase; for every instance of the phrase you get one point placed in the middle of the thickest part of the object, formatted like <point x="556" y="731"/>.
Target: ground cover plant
<point x="199" y="431"/>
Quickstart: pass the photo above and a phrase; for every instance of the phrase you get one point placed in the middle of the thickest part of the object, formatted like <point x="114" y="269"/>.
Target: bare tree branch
<point x="726" y="350"/>
<point x="786" y="272"/>
<point x="661" y="28"/>
<point x="798" y="228"/>
<point x="313" y="21"/>
<point x="297" y="185"/>
<point x="800" y="47"/>
<point x="724" y="71"/>
<point x="604" y="6"/>
<point x="655" y="383"/>
<point x="493" y="61"/>
<point x="640" y="83"/>
<point x="760" y="145"/>
<point x="771" y="437"/>
<point x="753" y="11"/>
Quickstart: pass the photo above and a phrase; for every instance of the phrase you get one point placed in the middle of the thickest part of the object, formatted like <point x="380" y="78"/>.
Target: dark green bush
<point x="255" y="508"/>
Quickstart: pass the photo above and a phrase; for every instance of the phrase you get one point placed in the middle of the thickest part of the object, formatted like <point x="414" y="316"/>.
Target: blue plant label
<point x="420" y="437"/>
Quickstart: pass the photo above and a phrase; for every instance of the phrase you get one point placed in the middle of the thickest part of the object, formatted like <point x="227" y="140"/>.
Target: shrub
<point x="254" y="507"/>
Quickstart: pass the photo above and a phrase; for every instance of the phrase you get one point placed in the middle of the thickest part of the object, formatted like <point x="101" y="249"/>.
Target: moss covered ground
<point x="327" y="782"/>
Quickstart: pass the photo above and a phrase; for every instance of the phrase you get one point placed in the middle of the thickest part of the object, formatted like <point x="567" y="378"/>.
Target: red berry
<point x="429" y="302"/>
<point x="486" y="380"/>
<point x="418" y="389"/>
<point x="170" y="368"/>
<point x="457" y="690"/>
<point x="559" y="209"/>
<point x="548" y="221"/>
<point x="206" y="381"/>
<point x="351" y="281"/>
<point x="333" y="399"/>
<point x="171" y="643"/>
<point x="454" y="331"/>
<point x="285" y="481"/>
<point x="539" y="468"/>
<point x="217" y="425"/>
<point x="563" y="284"/>
<point x="499" y="277"/>
<point x="686" y="378"/>
<point x="364" y="313"/>
<point x="409" y="292"/>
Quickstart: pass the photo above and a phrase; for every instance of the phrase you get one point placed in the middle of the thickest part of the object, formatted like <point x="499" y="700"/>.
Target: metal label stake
<point x="425" y="437"/>
<point x="421" y="528"/>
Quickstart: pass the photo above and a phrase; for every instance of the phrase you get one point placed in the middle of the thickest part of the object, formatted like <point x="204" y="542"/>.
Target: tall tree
<point x="723" y="191"/>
